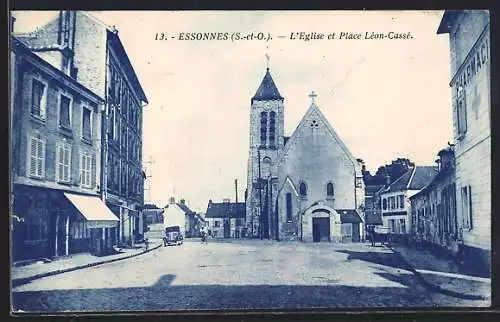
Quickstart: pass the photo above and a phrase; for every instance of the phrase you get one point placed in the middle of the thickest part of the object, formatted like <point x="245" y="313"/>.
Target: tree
<point x="389" y="172"/>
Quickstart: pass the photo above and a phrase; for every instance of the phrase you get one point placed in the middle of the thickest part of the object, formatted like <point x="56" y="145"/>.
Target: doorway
<point x="321" y="229"/>
<point x="227" y="228"/>
<point x="60" y="244"/>
<point x="355" y="233"/>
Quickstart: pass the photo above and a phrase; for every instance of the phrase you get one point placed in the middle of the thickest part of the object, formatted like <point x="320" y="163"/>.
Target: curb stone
<point x="26" y="280"/>
<point x="437" y="288"/>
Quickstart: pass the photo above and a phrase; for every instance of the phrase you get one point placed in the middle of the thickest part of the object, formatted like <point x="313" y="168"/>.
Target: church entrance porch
<point x="321" y="223"/>
<point x="321" y="229"/>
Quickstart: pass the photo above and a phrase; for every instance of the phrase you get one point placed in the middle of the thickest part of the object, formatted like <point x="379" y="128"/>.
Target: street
<point x="237" y="274"/>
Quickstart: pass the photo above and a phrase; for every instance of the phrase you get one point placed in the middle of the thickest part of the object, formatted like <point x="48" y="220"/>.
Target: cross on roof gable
<point x="316" y="112"/>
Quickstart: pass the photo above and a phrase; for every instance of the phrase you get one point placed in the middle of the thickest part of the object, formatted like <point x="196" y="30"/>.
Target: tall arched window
<point x="263" y="128"/>
<point x="272" y="128"/>
<point x="266" y="167"/>
<point x="303" y="190"/>
<point x="329" y="189"/>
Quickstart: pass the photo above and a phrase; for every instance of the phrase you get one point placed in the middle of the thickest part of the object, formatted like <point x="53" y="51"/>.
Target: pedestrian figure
<point x="204" y="235"/>
<point x="146" y="238"/>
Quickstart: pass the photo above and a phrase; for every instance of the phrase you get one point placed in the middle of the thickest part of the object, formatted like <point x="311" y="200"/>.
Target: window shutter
<point x="470" y="207"/>
<point x="41" y="157"/>
<point x="89" y="169"/>
<point x="58" y="162"/>
<point x="43" y="100"/>
<point x="33" y="157"/>
<point x="65" y="164"/>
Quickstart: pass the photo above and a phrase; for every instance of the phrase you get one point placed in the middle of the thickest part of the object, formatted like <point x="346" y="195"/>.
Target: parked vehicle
<point x="173" y="236"/>
<point x="380" y="234"/>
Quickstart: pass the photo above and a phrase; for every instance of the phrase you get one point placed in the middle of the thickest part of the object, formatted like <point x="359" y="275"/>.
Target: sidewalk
<point x="25" y="274"/>
<point x="445" y="276"/>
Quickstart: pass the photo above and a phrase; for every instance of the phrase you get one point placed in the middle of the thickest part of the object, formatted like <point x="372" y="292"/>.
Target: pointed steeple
<point x="267" y="89"/>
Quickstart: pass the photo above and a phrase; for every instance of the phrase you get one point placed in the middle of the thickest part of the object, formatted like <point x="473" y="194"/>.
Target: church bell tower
<point x="266" y="140"/>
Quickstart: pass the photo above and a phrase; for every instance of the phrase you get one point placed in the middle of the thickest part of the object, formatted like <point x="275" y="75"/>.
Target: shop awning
<point x="349" y="216"/>
<point x="94" y="210"/>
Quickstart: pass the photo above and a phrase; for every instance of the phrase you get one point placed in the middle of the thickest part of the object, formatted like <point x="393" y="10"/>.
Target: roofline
<point x="400" y="177"/>
<point x="72" y="82"/>
<point x="411" y="177"/>
<point x="123" y="53"/>
<point x="99" y="21"/>
<point x="447" y="21"/>
<point x="330" y="129"/>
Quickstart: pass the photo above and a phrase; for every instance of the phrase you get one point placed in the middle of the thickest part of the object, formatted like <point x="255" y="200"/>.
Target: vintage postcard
<point x="249" y="160"/>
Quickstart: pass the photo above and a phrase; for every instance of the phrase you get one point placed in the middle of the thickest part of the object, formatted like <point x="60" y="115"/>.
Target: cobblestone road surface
<point x="237" y="275"/>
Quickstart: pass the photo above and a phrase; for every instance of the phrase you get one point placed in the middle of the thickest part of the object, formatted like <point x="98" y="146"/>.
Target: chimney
<point x="387" y="180"/>
<point x="66" y="38"/>
<point x="438" y="162"/>
<point x="209" y="201"/>
<point x="226" y="200"/>
<point x="236" y="189"/>
<point x="171" y="200"/>
<point x="183" y="201"/>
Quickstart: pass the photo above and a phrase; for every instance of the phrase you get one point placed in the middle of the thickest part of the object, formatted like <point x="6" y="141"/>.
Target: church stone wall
<point x="253" y="202"/>
<point x="316" y="158"/>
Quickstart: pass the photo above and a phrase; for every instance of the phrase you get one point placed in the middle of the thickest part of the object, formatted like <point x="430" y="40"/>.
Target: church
<point x="306" y="187"/>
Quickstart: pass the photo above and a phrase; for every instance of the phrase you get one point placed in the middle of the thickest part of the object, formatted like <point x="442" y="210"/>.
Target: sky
<point x="385" y="98"/>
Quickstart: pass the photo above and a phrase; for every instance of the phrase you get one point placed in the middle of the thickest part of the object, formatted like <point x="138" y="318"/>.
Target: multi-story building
<point x="373" y="214"/>
<point x="434" y="215"/>
<point x="226" y="219"/>
<point x="93" y="54"/>
<point x="56" y="161"/>
<point x="469" y="36"/>
<point x="396" y="207"/>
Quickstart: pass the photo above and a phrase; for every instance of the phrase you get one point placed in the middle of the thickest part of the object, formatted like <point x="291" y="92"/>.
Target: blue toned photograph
<point x="237" y="161"/>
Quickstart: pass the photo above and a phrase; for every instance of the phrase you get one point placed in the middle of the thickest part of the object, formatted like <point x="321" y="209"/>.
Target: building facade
<point x="395" y="199"/>
<point x="469" y="37"/>
<point x="306" y="187"/>
<point x="99" y="61"/>
<point x="434" y="211"/>
<point x="55" y="162"/>
<point x="226" y="219"/>
<point x="373" y="209"/>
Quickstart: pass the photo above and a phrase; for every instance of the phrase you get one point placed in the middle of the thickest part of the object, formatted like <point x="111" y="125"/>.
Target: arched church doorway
<point x="321" y="225"/>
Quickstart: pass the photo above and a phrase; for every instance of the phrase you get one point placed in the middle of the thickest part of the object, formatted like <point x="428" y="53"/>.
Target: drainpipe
<point x="57" y="234"/>
<point x="67" y="236"/>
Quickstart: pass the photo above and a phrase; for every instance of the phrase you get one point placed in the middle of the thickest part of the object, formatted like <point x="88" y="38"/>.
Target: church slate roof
<point x="267" y="89"/>
<point x="226" y="210"/>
